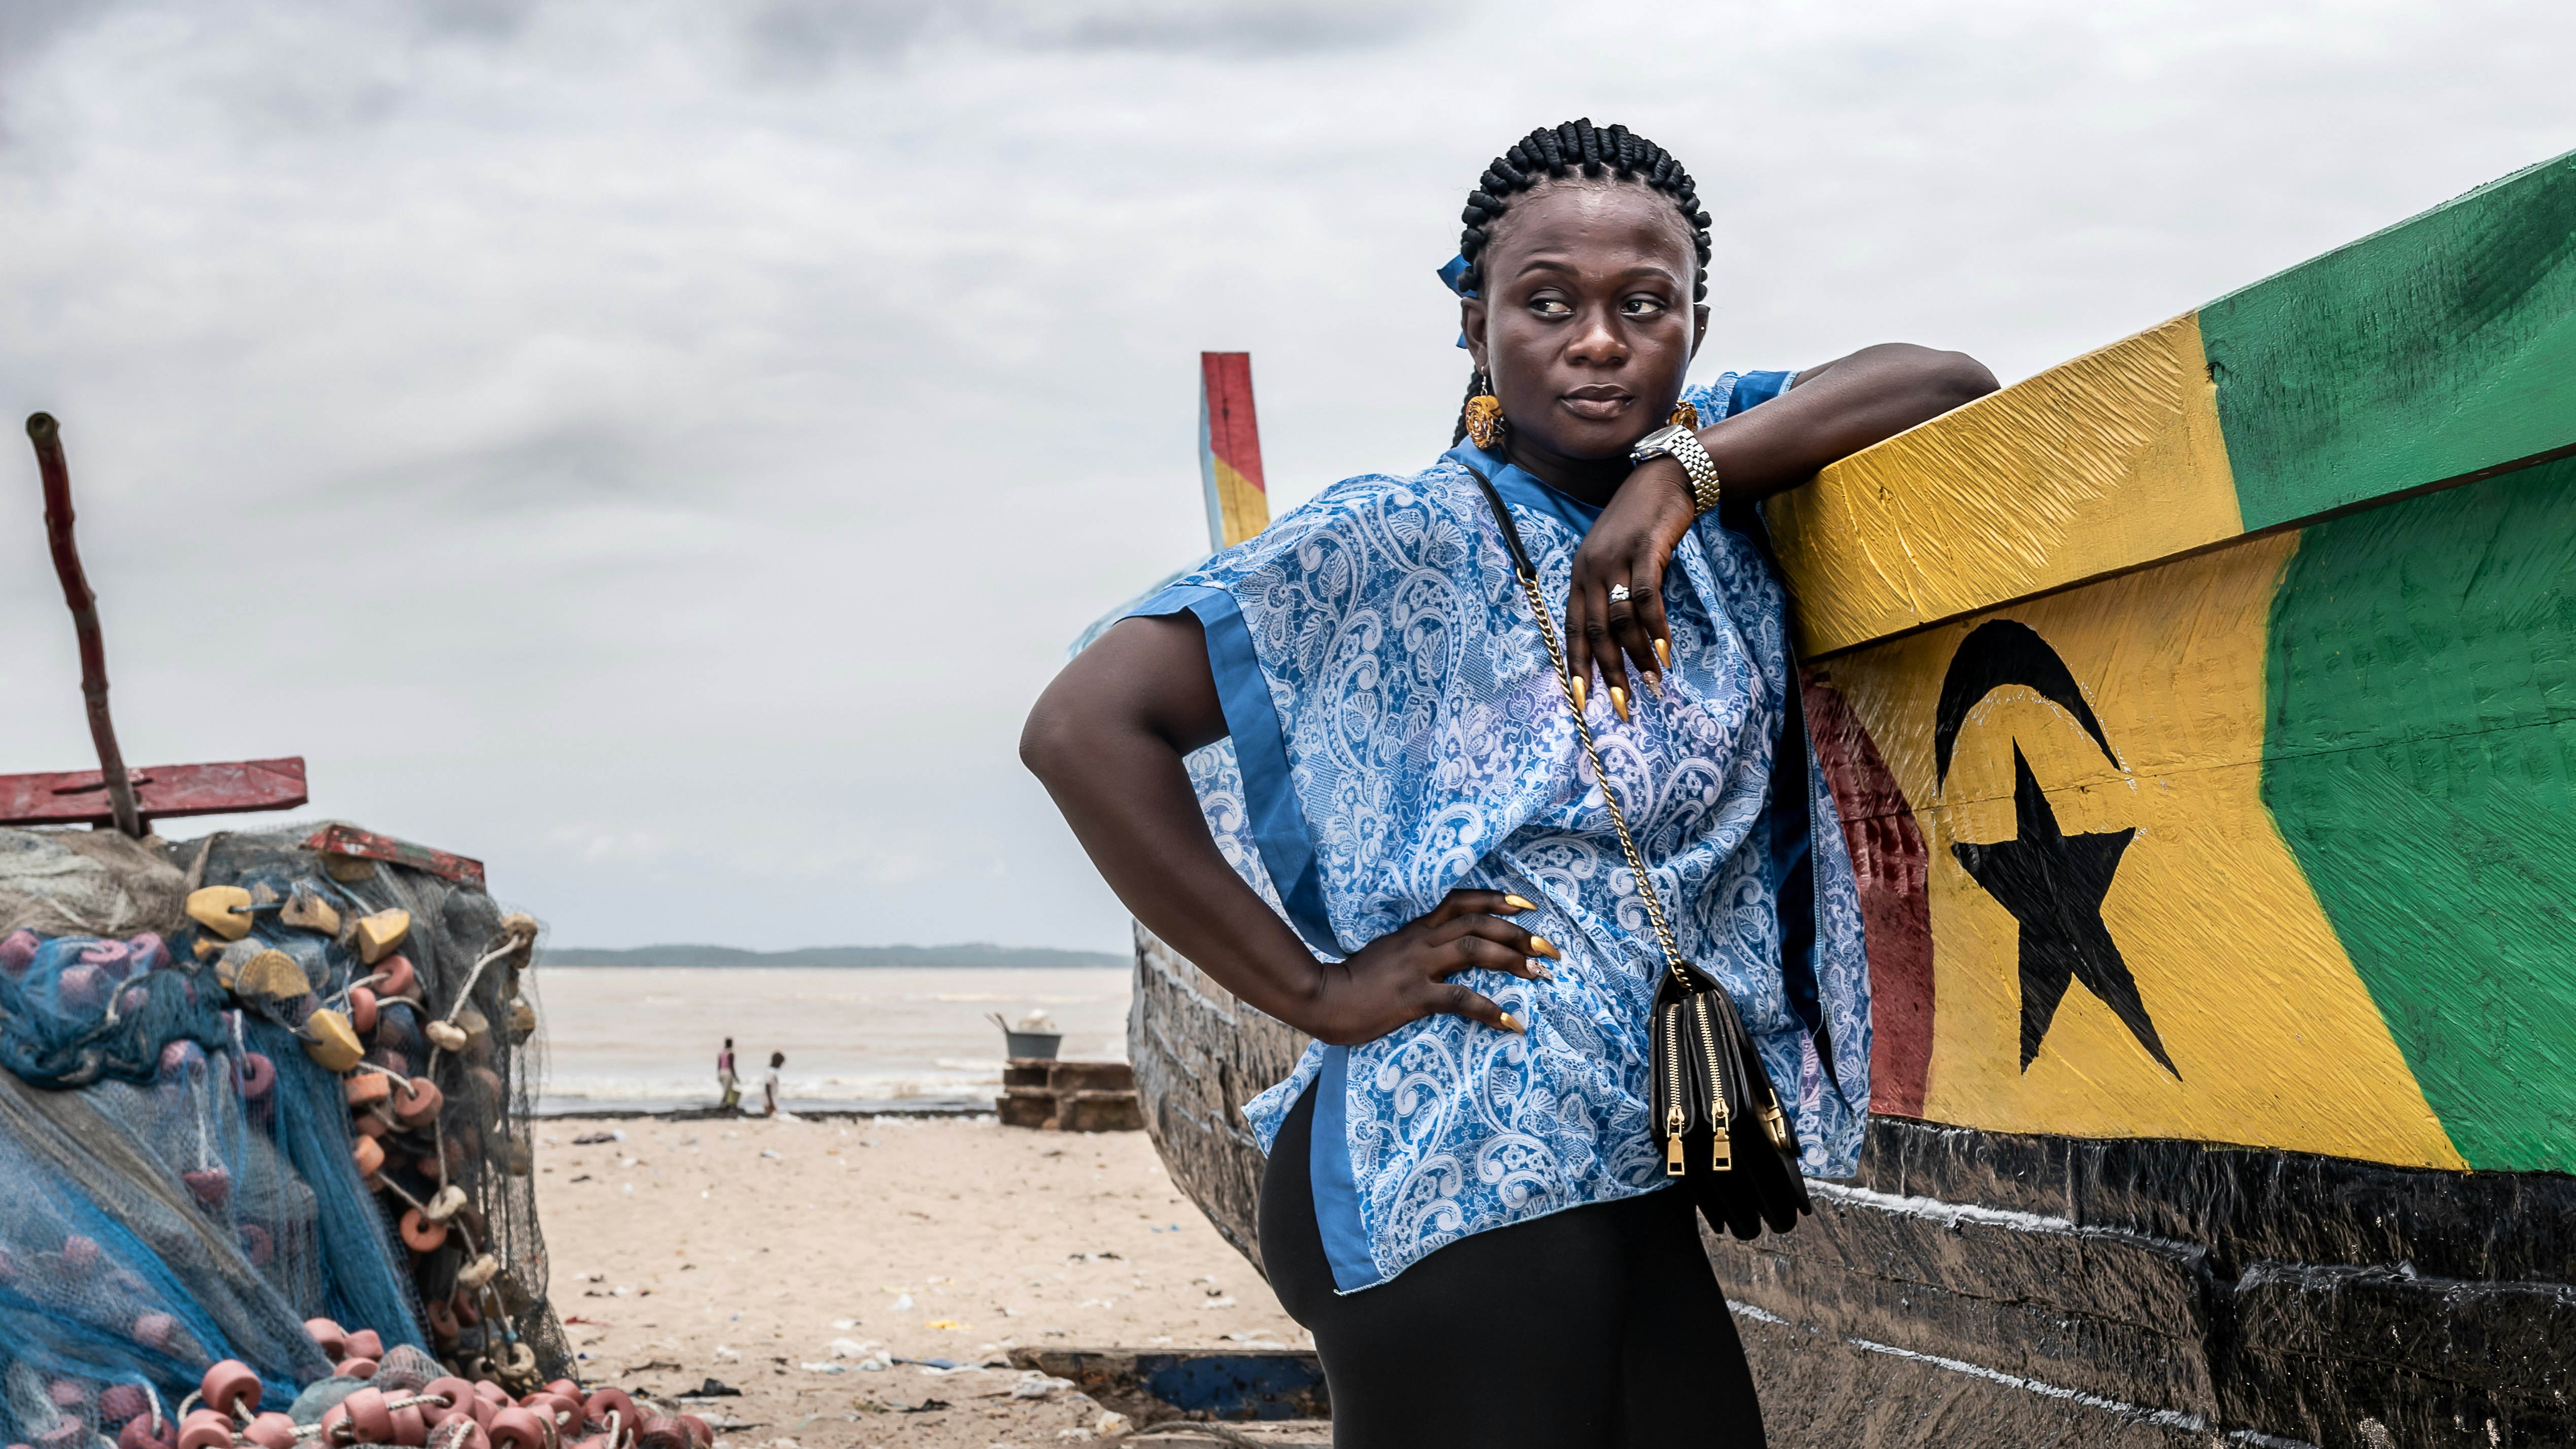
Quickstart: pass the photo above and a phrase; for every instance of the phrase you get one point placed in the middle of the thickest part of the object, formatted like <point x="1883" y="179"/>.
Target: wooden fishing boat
<point x="2202" y="717"/>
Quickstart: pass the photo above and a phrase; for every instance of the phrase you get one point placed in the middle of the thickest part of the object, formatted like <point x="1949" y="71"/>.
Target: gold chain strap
<point x="1618" y="817"/>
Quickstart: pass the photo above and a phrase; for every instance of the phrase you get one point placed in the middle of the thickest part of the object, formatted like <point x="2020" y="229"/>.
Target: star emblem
<point x="2054" y="883"/>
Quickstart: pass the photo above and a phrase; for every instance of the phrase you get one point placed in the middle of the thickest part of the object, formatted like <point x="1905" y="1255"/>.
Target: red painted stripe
<point x="1889" y="858"/>
<point x="1233" y="433"/>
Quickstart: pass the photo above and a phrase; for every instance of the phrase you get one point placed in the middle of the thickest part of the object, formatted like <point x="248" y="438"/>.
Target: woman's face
<point x="1586" y="325"/>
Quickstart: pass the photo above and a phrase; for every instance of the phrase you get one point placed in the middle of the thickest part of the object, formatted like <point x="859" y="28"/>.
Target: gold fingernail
<point x="1654" y="685"/>
<point x="1539" y="969"/>
<point x="1513" y="1023"/>
<point x="1544" y="947"/>
<point x="1578" y="694"/>
<point x="1664" y="652"/>
<point x="1619" y="701"/>
<point x="1517" y="904"/>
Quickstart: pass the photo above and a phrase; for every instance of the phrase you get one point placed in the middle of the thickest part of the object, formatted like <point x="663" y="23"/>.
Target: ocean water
<point x="647" y="1037"/>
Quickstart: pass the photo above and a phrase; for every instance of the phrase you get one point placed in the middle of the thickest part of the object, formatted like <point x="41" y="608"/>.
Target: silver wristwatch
<point x="1682" y="446"/>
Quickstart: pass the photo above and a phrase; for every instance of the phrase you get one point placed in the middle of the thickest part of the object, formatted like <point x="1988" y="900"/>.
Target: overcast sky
<point x="662" y="448"/>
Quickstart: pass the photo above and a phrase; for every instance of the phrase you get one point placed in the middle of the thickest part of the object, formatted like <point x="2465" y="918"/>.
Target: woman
<point x="1335" y="769"/>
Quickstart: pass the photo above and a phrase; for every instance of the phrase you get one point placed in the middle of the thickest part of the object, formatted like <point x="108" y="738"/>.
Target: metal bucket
<point x="1032" y="1043"/>
<point x="1040" y="1044"/>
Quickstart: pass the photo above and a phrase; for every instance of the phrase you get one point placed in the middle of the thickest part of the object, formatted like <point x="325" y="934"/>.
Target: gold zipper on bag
<point x="1721" y="1156"/>
<point x="1673" y="1074"/>
<point x="1775" y="1123"/>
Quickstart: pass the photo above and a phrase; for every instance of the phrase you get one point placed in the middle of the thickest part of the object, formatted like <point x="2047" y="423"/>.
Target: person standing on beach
<point x="1358" y="710"/>
<point x="726" y="1078"/>
<point x="769" y="1085"/>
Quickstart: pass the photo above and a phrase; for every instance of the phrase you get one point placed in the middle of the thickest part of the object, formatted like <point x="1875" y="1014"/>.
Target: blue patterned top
<point x="1397" y="732"/>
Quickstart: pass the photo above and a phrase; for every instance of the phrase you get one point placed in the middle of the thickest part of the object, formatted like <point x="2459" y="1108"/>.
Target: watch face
<point x="1656" y="442"/>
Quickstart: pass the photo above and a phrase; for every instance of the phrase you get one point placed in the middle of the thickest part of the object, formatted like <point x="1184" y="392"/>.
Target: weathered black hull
<point x="2020" y="1286"/>
<point x="1973" y="1288"/>
<point x="1199" y="1056"/>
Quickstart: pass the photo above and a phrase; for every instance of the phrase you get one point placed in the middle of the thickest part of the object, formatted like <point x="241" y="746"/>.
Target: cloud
<point x="663" y="448"/>
<point x="805" y="39"/>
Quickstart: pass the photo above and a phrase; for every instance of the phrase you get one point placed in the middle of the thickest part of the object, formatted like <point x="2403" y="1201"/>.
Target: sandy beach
<point x="779" y="1256"/>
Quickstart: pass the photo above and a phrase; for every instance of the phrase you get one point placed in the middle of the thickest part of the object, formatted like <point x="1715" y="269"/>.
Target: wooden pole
<point x="47" y="436"/>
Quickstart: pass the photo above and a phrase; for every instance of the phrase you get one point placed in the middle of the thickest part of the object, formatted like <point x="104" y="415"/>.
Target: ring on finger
<point x="1618" y="593"/>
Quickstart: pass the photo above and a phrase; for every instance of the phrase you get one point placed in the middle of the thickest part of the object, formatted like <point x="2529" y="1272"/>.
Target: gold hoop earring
<point x="1485" y="425"/>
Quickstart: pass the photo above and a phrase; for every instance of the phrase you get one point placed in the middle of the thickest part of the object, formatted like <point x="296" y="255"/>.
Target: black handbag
<point x="1715" y="1112"/>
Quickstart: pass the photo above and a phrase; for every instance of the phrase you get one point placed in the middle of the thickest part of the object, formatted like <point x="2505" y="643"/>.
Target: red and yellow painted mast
<point x="1238" y="503"/>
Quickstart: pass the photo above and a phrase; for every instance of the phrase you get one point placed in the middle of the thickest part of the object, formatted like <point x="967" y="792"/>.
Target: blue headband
<point x="1451" y="271"/>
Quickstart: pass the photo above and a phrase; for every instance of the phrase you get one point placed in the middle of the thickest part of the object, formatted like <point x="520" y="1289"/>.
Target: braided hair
<point x="1556" y="154"/>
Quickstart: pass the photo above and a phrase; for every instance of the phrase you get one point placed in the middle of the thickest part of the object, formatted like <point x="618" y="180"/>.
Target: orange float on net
<point x="362" y="1009"/>
<point x="417" y="1102"/>
<point x="365" y="1343"/>
<point x="420" y="1234"/>
<point x="370" y="1157"/>
<point x="365" y="1089"/>
<point x="399" y="978"/>
<point x="270" y="1431"/>
<point x="355" y="1368"/>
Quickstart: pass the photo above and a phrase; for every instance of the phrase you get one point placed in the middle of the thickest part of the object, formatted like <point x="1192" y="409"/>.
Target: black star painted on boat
<point x="2053" y="883"/>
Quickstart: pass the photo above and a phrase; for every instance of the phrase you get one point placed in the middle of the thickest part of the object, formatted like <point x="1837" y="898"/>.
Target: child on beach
<point x="769" y="1085"/>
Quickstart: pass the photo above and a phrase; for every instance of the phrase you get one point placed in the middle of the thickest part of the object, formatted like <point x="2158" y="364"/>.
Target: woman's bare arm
<point x="1107" y="737"/>
<point x="1830" y="412"/>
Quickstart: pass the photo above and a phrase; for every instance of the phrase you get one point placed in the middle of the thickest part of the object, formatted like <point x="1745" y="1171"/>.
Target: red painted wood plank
<point x="79" y="797"/>
<point x="350" y="840"/>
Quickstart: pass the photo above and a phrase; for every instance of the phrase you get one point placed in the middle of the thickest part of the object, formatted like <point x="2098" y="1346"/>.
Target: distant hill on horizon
<point x="973" y="954"/>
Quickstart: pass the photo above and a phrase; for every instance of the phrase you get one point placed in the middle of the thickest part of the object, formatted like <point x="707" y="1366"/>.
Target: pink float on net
<point x="230" y="1388"/>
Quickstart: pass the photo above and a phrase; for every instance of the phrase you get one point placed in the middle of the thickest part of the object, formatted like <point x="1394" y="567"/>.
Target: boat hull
<point x="1199" y="1056"/>
<point x="2015" y="1290"/>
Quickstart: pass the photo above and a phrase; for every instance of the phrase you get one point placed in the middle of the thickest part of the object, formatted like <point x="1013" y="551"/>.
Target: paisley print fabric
<point x="1398" y="733"/>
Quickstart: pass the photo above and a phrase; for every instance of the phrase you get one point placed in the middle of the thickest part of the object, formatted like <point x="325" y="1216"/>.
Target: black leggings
<point x="1597" y="1326"/>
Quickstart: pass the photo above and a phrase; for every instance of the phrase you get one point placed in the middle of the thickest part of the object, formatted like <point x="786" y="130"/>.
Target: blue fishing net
<point x="177" y="1179"/>
<point x="141" y="1191"/>
<point x="76" y="1009"/>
